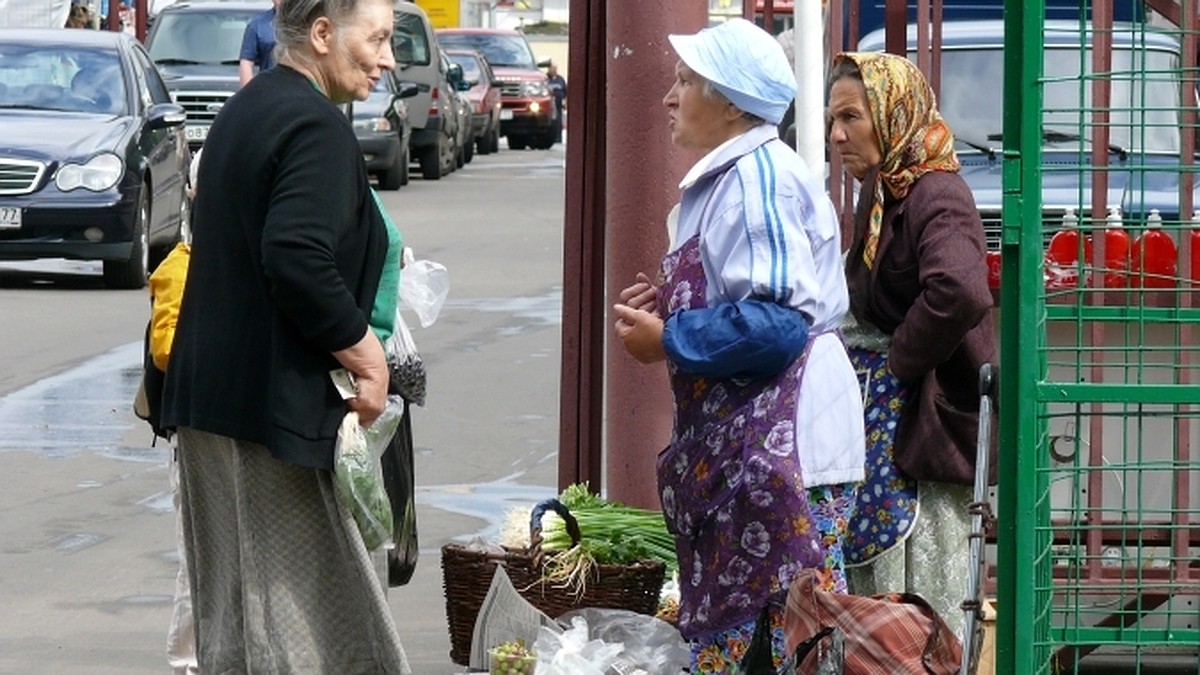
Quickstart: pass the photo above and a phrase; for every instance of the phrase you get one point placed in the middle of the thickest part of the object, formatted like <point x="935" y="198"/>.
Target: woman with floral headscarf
<point x="919" y="327"/>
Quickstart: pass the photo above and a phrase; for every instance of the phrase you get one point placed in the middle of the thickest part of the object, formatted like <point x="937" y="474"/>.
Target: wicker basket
<point x="467" y="575"/>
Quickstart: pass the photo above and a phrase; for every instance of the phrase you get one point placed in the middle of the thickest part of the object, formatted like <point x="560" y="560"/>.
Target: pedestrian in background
<point x="768" y="437"/>
<point x="166" y="294"/>
<point x="287" y="259"/>
<point x="258" y="45"/>
<point x="80" y="16"/>
<point x="558" y="86"/>
<point x="919" y="329"/>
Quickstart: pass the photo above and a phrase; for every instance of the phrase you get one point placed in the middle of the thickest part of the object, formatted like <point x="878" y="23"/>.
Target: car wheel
<point x="548" y="137"/>
<point x="483" y="144"/>
<point x="431" y="162"/>
<point x="494" y="138"/>
<point x="517" y="142"/>
<point x="468" y="151"/>
<point x="389" y="179"/>
<point x="460" y="155"/>
<point x="450" y="155"/>
<point x="131" y="273"/>
<point x="404" y="175"/>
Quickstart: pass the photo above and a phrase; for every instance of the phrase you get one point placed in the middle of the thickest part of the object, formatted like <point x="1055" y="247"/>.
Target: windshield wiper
<point x="176" y="62"/>
<point x="1055" y="136"/>
<point x="26" y="106"/>
<point x="991" y="152"/>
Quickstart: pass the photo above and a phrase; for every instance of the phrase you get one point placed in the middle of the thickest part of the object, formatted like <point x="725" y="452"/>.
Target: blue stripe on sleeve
<point x="774" y="227"/>
<point x="772" y="206"/>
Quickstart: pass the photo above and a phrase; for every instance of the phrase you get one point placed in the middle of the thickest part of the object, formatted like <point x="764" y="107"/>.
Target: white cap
<point x="744" y="63"/>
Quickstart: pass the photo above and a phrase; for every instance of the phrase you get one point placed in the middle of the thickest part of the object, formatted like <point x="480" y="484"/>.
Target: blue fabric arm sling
<point x="742" y="340"/>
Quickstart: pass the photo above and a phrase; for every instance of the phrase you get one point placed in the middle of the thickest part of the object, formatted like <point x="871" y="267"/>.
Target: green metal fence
<point x="1098" y="551"/>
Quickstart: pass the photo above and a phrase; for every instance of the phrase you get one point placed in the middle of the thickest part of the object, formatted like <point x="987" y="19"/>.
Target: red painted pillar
<point x="643" y="173"/>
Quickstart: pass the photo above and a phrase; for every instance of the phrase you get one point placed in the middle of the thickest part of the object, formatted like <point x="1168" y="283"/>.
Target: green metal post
<point x="1021" y="318"/>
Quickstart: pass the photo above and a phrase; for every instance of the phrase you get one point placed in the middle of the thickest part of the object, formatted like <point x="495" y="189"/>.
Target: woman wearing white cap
<point x="768" y="434"/>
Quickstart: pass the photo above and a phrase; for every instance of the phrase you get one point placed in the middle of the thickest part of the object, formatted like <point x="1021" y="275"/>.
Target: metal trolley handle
<point x="980" y="511"/>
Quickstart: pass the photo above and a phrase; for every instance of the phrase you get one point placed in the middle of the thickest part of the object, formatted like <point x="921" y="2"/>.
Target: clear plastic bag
<point x="647" y="644"/>
<point x="358" y="472"/>
<point x="424" y="285"/>
<point x="406" y="369"/>
<point x="572" y="652"/>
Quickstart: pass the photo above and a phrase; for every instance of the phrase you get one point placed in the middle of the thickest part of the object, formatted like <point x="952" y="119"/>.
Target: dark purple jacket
<point x="928" y="290"/>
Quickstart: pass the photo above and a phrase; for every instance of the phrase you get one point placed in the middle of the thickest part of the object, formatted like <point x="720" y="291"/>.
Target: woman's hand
<point x="366" y="360"/>
<point x="641" y="332"/>
<point x="641" y="295"/>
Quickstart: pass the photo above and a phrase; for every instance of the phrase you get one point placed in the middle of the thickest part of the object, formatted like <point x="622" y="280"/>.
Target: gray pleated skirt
<point x="281" y="581"/>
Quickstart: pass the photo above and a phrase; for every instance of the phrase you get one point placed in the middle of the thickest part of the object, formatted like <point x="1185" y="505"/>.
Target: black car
<point x="383" y="130"/>
<point x="196" y="46"/>
<point x="93" y="159"/>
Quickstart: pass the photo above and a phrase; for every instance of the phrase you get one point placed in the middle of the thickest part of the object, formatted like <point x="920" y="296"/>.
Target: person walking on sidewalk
<point x="558" y="86"/>
<point x="258" y="45"/>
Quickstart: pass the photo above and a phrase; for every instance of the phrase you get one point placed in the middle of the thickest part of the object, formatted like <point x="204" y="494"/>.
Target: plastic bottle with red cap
<point x="1116" y="251"/>
<point x="1062" y="254"/>
<point x="1154" y="256"/>
<point x="993" y="269"/>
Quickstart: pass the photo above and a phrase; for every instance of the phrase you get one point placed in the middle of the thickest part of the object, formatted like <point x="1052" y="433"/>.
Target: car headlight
<point x="535" y="89"/>
<point x="97" y="174"/>
<point x="373" y="124"/>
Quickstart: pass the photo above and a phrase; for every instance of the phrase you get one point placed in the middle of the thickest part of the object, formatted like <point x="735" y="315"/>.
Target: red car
<point x="484" y="95"/>
<point x="528" y="117"/>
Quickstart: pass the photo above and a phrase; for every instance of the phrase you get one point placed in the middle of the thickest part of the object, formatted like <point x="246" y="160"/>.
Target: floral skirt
<point x="722" y="652"/>
<point x="887" y="501"/>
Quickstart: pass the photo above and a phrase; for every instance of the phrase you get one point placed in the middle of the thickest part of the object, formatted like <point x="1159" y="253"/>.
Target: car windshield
<point x="510" y="51"/>
<point x="470" y="67"/>
<point x="1144" y="112"/>
<point x="53" y="77"/>
<point x="182" y="38"/>
<point x="410" y="46"/>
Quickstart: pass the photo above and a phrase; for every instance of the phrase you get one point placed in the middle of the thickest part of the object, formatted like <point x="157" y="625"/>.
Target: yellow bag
<point x="166" y="294"/>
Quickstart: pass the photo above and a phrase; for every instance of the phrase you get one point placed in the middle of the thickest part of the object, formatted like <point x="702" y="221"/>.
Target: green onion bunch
<point x="611" y="533"/>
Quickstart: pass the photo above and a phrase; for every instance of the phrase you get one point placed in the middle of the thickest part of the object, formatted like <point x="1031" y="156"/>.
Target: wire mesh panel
<point x="1100" y="367"/>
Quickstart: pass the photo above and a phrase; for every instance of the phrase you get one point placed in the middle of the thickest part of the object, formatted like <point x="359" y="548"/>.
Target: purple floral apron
<point x="730" y="481"/>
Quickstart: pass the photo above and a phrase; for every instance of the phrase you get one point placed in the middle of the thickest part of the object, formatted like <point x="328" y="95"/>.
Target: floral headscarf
<point x="912" y="135"/>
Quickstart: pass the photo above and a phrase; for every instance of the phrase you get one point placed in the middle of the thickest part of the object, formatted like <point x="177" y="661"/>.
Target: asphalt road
<point x="87" y="558"/>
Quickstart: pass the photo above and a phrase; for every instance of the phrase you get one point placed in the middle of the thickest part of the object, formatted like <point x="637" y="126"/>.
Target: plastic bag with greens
<point x="358" y="472"/>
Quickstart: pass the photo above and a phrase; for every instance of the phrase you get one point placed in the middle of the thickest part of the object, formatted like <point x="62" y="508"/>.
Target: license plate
<point x="10" y="218"/>
<point x="506" y="114"/>
<point x="196" y="133"/>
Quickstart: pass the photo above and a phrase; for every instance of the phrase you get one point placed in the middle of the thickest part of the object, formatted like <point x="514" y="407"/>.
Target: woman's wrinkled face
<point x="697" y="122"/>
<point x="851" y="131"/>
<point x="362" y="51"/>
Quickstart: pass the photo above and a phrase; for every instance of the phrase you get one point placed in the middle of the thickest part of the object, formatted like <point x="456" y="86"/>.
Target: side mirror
<point x="406" y="89"/>
<point x="462" y="85"/>
<point x="454" y="73"/>
<point x="544" y="63"/>
<point x="164" y="115"/>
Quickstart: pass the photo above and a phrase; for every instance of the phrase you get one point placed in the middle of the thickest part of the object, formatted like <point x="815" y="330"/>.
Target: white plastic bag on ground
<point x="648" y="644"/>
<point x="572" y="652"/>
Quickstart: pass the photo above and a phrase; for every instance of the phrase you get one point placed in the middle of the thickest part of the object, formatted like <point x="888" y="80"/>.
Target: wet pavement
<point x="87" y="542"/>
